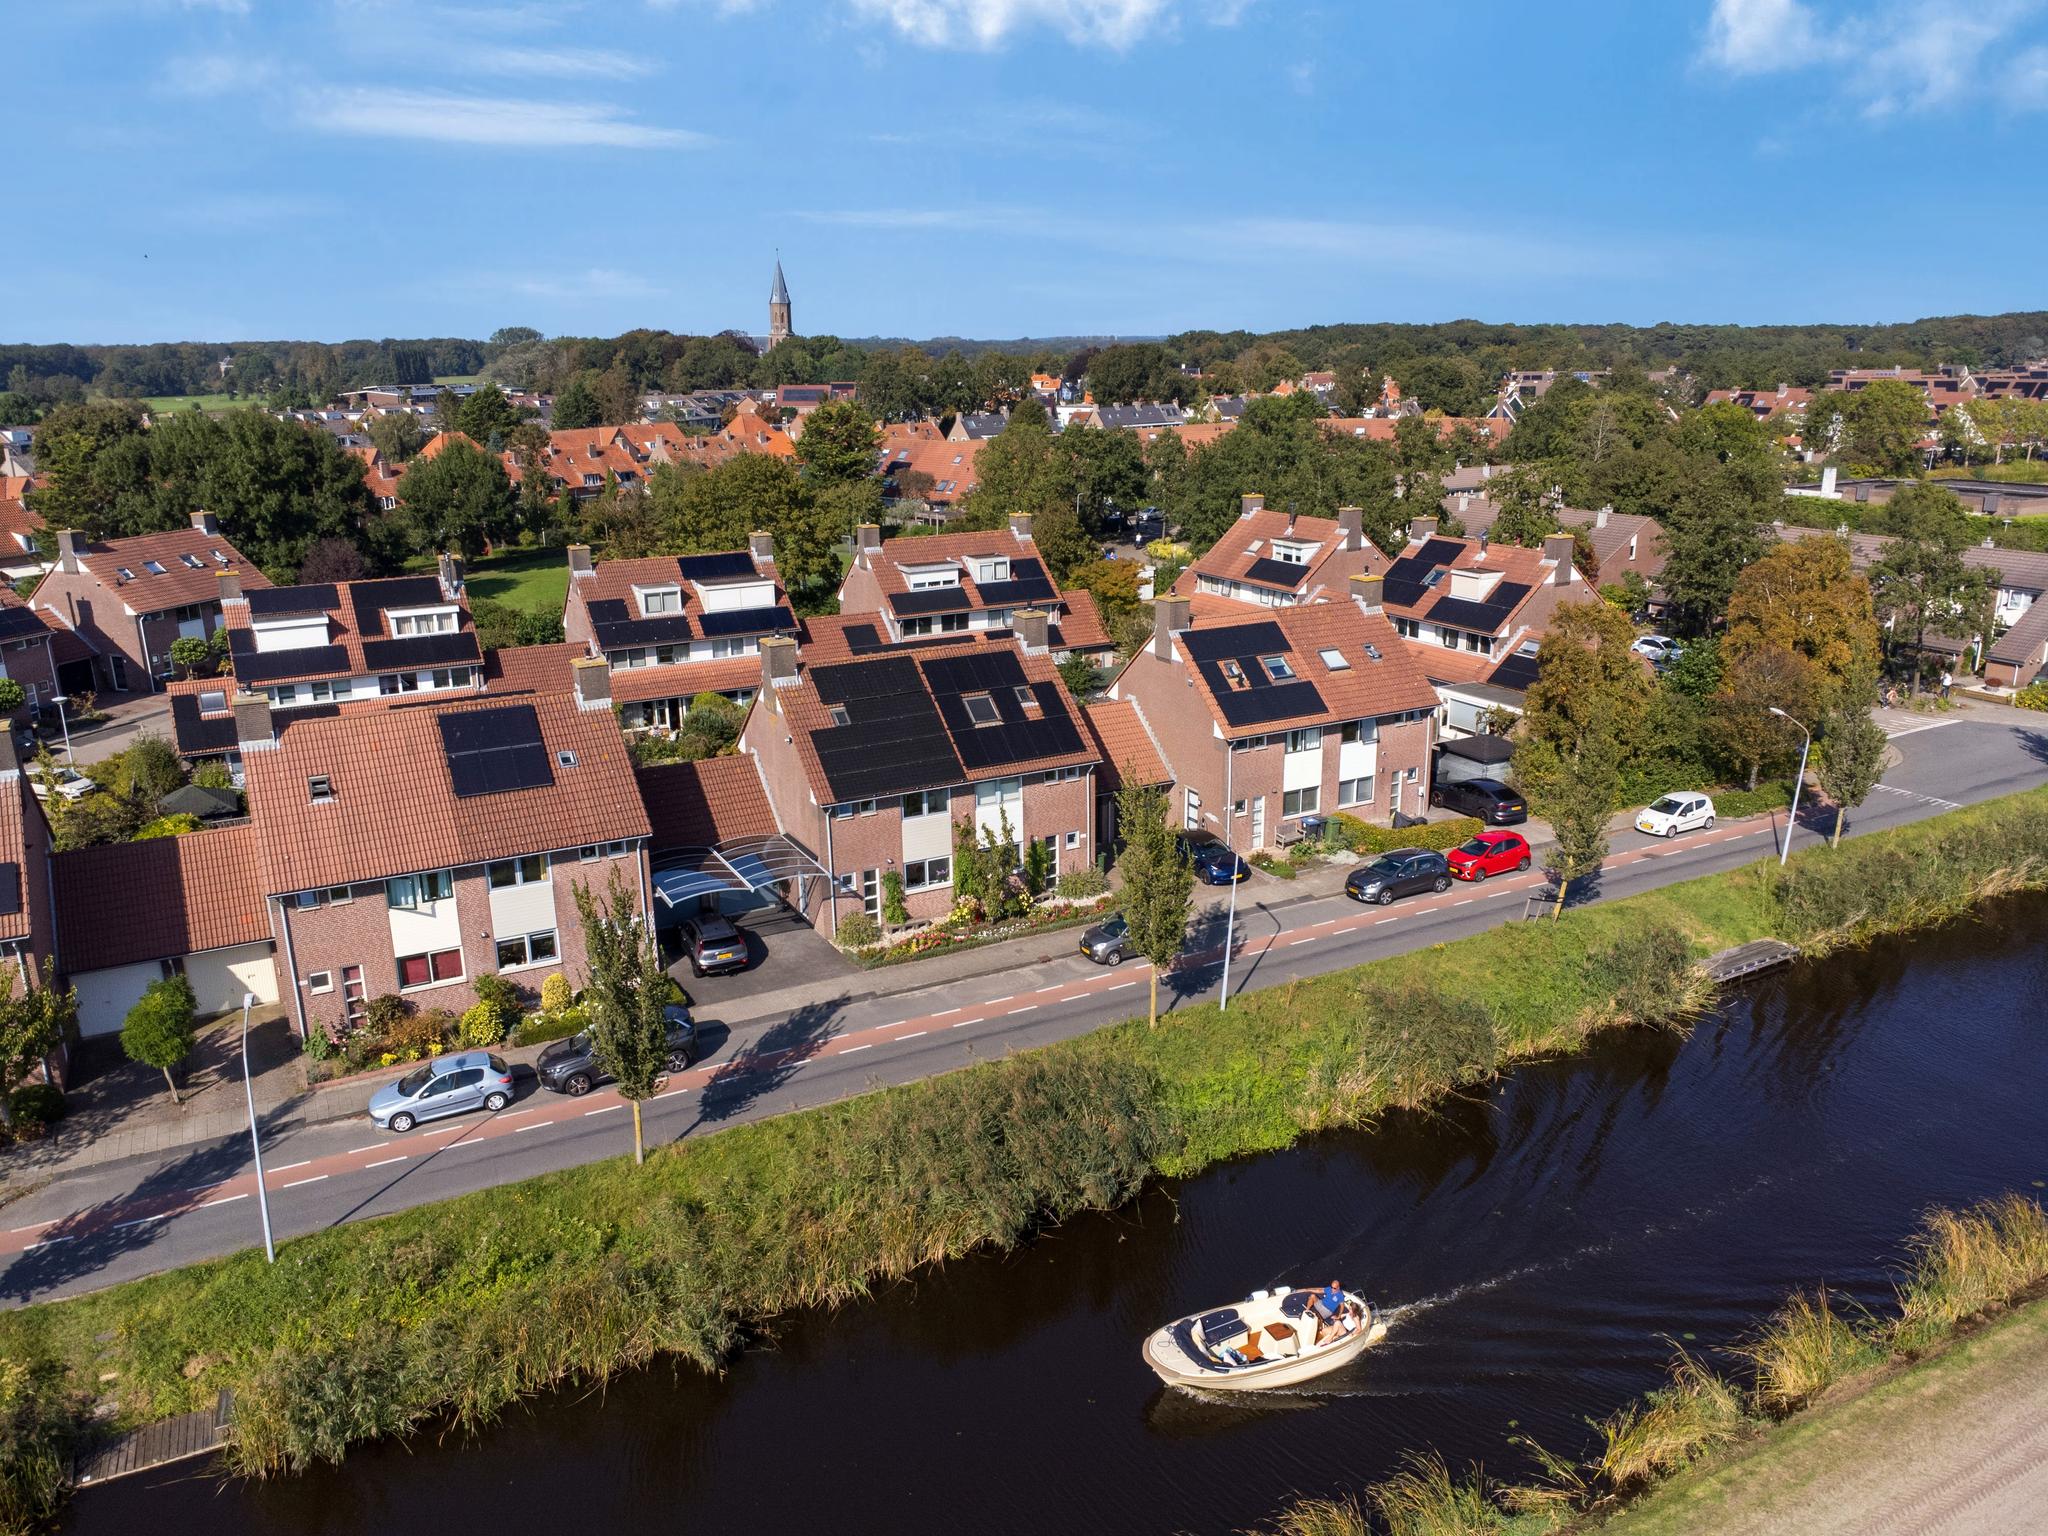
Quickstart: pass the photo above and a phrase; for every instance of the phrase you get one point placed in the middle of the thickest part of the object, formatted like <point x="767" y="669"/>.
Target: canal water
<point x="1542" y="1248"/>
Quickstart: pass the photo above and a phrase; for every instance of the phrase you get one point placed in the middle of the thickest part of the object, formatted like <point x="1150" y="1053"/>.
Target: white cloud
<point x="504" y="122"/>
<point x="558" y="63"/>
<point x="990" y="23"/>
<point x="1907" y="55"/>
<point x="199" y="75"/>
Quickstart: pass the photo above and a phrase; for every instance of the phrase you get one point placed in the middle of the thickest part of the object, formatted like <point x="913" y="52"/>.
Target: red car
<point x="1490" y="853"/>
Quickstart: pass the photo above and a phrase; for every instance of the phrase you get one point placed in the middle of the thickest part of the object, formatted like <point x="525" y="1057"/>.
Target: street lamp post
<point x="1229" y="923"/>
<point x="255" y="1139"/>
<point x="1792" y="817"/>
<point x="60" y="701"/>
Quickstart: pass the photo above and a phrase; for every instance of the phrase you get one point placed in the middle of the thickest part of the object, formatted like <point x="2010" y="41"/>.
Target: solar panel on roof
<point x="371" y="598"/>
<point x="1471" y="613"/>
<point x="613" y="624"/>
<point x="719" y="567"/>
<point x="747" y="621"/>
<point x="893" y="741"/>
<point x="1274" y="573"/>
<point x="492" y="751"/>
<point x="278" y="666"/>
<point x="931" y="600"/>
<point x="421" y="651"/>
<point x="1016" y="736"/>
<point x="270" y="602"/>
<point x="1261" y="706"/>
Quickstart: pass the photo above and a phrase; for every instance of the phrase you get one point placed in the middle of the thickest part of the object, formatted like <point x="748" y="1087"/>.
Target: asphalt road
<point x="118" y="1221"/>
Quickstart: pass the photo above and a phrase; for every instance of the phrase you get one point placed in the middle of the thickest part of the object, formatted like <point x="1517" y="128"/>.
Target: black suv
<point x="569" y="1066"/>
<point x="713" y="945"/>
<point x="1403" y="872"/>
<point x="1488" y="799"/>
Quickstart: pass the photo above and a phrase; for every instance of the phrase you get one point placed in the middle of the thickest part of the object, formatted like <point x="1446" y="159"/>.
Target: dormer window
<point x="659" y="600"/>
<point x="981" y="709"/>
<point x="319" y="789"/>
<point x="1277" y="668"/>
<point x="431" y="621"/>
<point x="991" y="570"/>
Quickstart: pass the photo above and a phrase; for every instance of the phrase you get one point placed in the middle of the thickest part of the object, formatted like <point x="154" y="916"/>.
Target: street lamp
<point x="60" y="701"/>
<point x="1792" y="818"/>
<point x="1229" y="821"/>
<point x="255" y="1140"/>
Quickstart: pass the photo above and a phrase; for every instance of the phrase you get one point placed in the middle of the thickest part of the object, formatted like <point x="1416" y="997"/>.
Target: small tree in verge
<point x="1576" y="796"/>
<point x="625" y="986"/>
<point x="161" y="1027"/>
<point x="32" y="1022"/>
<point x="1159" y="882"/>
<point x="1852" y="749"/>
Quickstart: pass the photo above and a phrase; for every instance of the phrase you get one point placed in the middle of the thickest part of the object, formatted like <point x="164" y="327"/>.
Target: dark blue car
<point x="1216" y="864"/>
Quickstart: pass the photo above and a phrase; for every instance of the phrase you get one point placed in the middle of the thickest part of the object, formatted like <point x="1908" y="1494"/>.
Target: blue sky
<point x="237" y="169"/>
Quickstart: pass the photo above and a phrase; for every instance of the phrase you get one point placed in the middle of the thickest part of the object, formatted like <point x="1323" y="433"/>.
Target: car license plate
<point x="722" y="955"/>
<point x="1644" y="826"/>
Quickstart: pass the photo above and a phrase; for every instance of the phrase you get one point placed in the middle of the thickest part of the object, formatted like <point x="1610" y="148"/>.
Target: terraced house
<point x="871" y="763"/>
<point x="127" y="600"/>
<point x="963" y="584"/>
<point x="1271" y="558"/>
<point x="1270" y="719"/>
<point x="411" y="847"/>
<point x="674" y="626"/>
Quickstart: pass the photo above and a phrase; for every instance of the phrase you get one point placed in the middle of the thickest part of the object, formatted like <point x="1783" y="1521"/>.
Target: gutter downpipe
<point x="832" y="876"/>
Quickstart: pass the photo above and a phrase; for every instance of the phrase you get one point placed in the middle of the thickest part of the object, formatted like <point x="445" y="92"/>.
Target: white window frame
<point x="320" y="981"/>
<point x="1306" y="801"/>
<point x="526" y="941"/>
<point x="917" y="873"/>
<point x="517" y="869"/>
<point x="1351" y="787"/>
<point x="654" y="602"/>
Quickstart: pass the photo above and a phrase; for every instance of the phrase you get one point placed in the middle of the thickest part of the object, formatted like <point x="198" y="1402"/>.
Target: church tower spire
<point x="778" y="310"/>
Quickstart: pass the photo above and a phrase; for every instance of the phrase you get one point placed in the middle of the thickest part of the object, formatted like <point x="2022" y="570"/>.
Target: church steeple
<point x="778" y="310"/>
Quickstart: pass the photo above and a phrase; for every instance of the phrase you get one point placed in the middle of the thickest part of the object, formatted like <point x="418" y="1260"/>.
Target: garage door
<point x="219" y="977"/>
<point x="104" y="997"/>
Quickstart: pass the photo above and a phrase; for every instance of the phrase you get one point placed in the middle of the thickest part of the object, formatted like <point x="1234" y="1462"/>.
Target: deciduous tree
<point x="32" y="1021"/>
<point x="1804" y="597"/>
<point x="839" y="444"/>
<point x="1159" y="882"/>
<point x="625" y="991"/>
<point x="459" y="500"/>
<point x="162" y="1027"/>
<point x="1921" y="583"/>
<point x="1852" y="749"/>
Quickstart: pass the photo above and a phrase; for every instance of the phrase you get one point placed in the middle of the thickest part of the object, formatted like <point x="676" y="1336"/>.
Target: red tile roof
<point x="178" y="896"/>
<point x="951" y="465"/>
<point x="1130" y="753"/>
<point x="1250" y="539"/>
<point x="698" y="805"/>
<point x="395" y="810"/>
<point x="177" y="583"/>
<point x="355" y="602"/>
<point x="1363" y="689"/>
<point x="17" y="803"/>
<point x="532" y="668"/>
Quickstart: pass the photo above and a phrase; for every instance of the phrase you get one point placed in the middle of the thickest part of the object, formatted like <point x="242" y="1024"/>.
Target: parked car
<point x="1489" y="853"/>
<point x="1404" y="872"/>
<point x="1214" y="863"/>
<point x="70" y="783"/>
<point x="1685" y="811"/>
<point x="1488" y="799"/>
<point x="1661" y="649"/>
<point x="714" y="945"/>
<point x="1108" y="941"/>
<point x="447" y="1085"/>
<point x="570" y="1066"/>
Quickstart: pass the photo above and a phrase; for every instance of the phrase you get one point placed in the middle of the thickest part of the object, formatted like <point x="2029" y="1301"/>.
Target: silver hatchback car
<point x="447" y="1085"/>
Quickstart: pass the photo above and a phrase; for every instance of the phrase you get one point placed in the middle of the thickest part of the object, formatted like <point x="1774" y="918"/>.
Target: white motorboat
<point x="1273" y="1338"/>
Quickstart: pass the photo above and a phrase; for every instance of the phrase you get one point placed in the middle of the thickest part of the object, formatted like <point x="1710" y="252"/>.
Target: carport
<point x="736" y="875"/>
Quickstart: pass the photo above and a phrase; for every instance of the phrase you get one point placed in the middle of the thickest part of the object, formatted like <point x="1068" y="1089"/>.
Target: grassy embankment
<point x="453" y="1311"/>
<point x="1671" y="1461"/>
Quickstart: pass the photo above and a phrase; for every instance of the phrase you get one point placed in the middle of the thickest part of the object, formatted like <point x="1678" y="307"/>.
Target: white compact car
<point x="1659" y="648"/>
<point x="1686" y="811"/>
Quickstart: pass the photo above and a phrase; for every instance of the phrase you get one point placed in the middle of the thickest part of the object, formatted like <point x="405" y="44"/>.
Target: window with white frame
<point x="1301" y="802"/>
<point x="527" y="871"/>
<point x="1307" y="739"/>
<point x="429" y="969"/>
<point x="434" y="621"/>
<point x="1277" y="668"/>
<point x="1361" y="730"/>
<point x="928" y="802"/>
<point x="527" y="949"/>
<point x="320" y="981"/>
<point x="1073" y="839"/>
<point x="412" y="891"/>
<point x="926" y="874"/>
<point x="1334" y="659"/>
<point x="853" y="808"/>
<point x="659" y="600"/>
<point x="1355" y="791"/>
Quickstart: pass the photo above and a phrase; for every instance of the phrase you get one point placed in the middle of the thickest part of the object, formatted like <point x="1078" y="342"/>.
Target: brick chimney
<point x="1168" y="615"/>
<point x="1247" y="505"/>
<point x="1351" y="527"/>
<point x="1558" y="547"/>
<point x="592" y="678"/>
<point x="253" y="730"/>
<point x="451" y="576"/>
<point x="579" y="561"/>
<point x="1020" y="525"/>
<point x="70" y="546"/>
<point x="867" y="537"/>
<point x="1030" y="626"/>
<point x="761" y="546"/>
<point x="206" y="523"/>
<point x="1420" y="528"/>
<point x="1369" y="591"/>
<point x="231" y="587"/>
<point x="778" y="666"/>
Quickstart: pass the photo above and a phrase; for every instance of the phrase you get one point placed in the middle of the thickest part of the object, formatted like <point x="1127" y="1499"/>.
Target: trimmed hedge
<point x="1347" y="831"/>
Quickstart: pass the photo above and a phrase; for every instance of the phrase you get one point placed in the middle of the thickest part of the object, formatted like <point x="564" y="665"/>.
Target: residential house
<point x="1271" y="559"/>
<point x="1989" y="498"/>
<point x="21" y="531"/>
<point x="872" y="763"/>
<point x="806" y="398"/>
<point x="410" y="849"/>
<point x="28" y="933"/>
<point x="28" y="652"/>
<point x="1130" y="754"/>
<point x="129" y="599"/>
<point x="320" y="646"/>
<point x="1622" y="542"/>
<point x="960" y="584"/>
<point x="1138" y="417"/>
<point x="1271" y="718"/>
<point x="1785" y="400"/>
<point x="948" y="465"/>
<point x="673" y="626"/>
<point x="973" y="426"/>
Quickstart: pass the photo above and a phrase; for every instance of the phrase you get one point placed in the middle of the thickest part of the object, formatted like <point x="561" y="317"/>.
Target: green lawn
<point x="455" y="378"/>
<point x="533" y="580"/>
<point x="160" y="404"/>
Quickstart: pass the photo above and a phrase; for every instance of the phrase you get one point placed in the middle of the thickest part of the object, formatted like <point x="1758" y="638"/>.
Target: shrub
<point x="1279" y="869"/>
<point x="1081" y="884"/>
<point x="1346" y="831"/>
<point x="213" y="775"/>
<point x="1672" y="1427"/>
<point x="893" y="909"/>
<point x="1646" y="972"/>
<point x="2033" y="696"/>
<point x="502" y="993"/>
<point x="12" y="696"/>
<point x="319" y="1044"/>
<point x="384" y="1014"/>
<point x="1966" y="1262"/>
<point x="857" y="931"/>
<point x="37" y="1105"/>
<point x="556" y="993"/>
<point x="556" y="1024"/>
<point x="38" y="1421"/>
<point x="484" y="1025"/>
<point x="1734" y="804"/>
<point x="418" y="1034"/>
<point x="1424" y="1041"/>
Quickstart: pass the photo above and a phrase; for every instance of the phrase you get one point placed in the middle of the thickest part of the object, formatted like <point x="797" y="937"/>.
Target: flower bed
<point x="943" y="937"/>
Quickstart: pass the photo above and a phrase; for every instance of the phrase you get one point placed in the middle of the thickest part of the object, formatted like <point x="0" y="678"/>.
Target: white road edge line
<point x="295" y="1183"/>
<point x="608" y="1109"/>
<point x="406" y="1157"/>
<point x="375" y="1146"/>
<point x="1378" y="921"/>
<point x="140" y="1221"/>
<point x="1295" y="943"/>
<point x="848" y="1050"/>
<point x="288" y="1167"/>
<point x="1003" y="999"/>
<point x="1120" y="986"/>
<point x="46" y="1241"/>
<point x="223" y="1200"/>
<point x="1027" y="1008"/>
<point x="914" y="1034"/>
<point x="36" y="1226"/>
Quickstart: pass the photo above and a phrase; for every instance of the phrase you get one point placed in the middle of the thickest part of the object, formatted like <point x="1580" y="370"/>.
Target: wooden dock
<point x="1749" y="959"/>
<point x="157" y="1445"/>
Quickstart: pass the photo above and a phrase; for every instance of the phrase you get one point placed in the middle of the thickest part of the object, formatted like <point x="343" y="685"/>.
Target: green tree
<point x="1528" y="513"/>
<point x="1802" y="596"/>
<point x="1740" y="721"/>
<point x="1711" y="533"/>
<point x="1587" y="681"/>
<point x="397" y="435"/>
<point x="839" y="445"/>
<point x="1574" y="791"/>
<point x="1852" y="751"/>
<point x="1882" y="426"/>
<point x="1454" y="385"/>
<point x="162" y="1027"/>
<point x="12" y="696"/>
<point x="188" y="654"/>
<point x="1079" y="672"/>
<point x="87" y="457"/>
<point x="32" y="1022"/>
<point x="1921" y="583"/>
<point x="460" y="499"/>
<point x="1121" y="374"/>
<point x="486" y="414"/>
<point x="577" y="407"/>
<point x="1159" y="882"/>
<point x="895" y="911"/>
<point x="625" y="990"/>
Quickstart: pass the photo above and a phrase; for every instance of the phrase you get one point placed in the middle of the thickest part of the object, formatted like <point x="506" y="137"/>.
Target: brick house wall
<point x="30" y="664"/>
<point x="860" y="592"/>
<point x="575" y="613"/>
<point x="106" y="623"/>
<point x="332" y="936"/>
<point x="1185" y="731"/>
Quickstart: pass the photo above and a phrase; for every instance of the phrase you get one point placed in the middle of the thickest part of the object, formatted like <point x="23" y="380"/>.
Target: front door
<point x="1192" y="817"/>
<point x="353" y="993"/>
<point x="1258" y="822"/>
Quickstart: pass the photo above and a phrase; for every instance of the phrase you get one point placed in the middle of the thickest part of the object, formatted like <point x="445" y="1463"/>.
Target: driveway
<point x="782" y="950"/>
